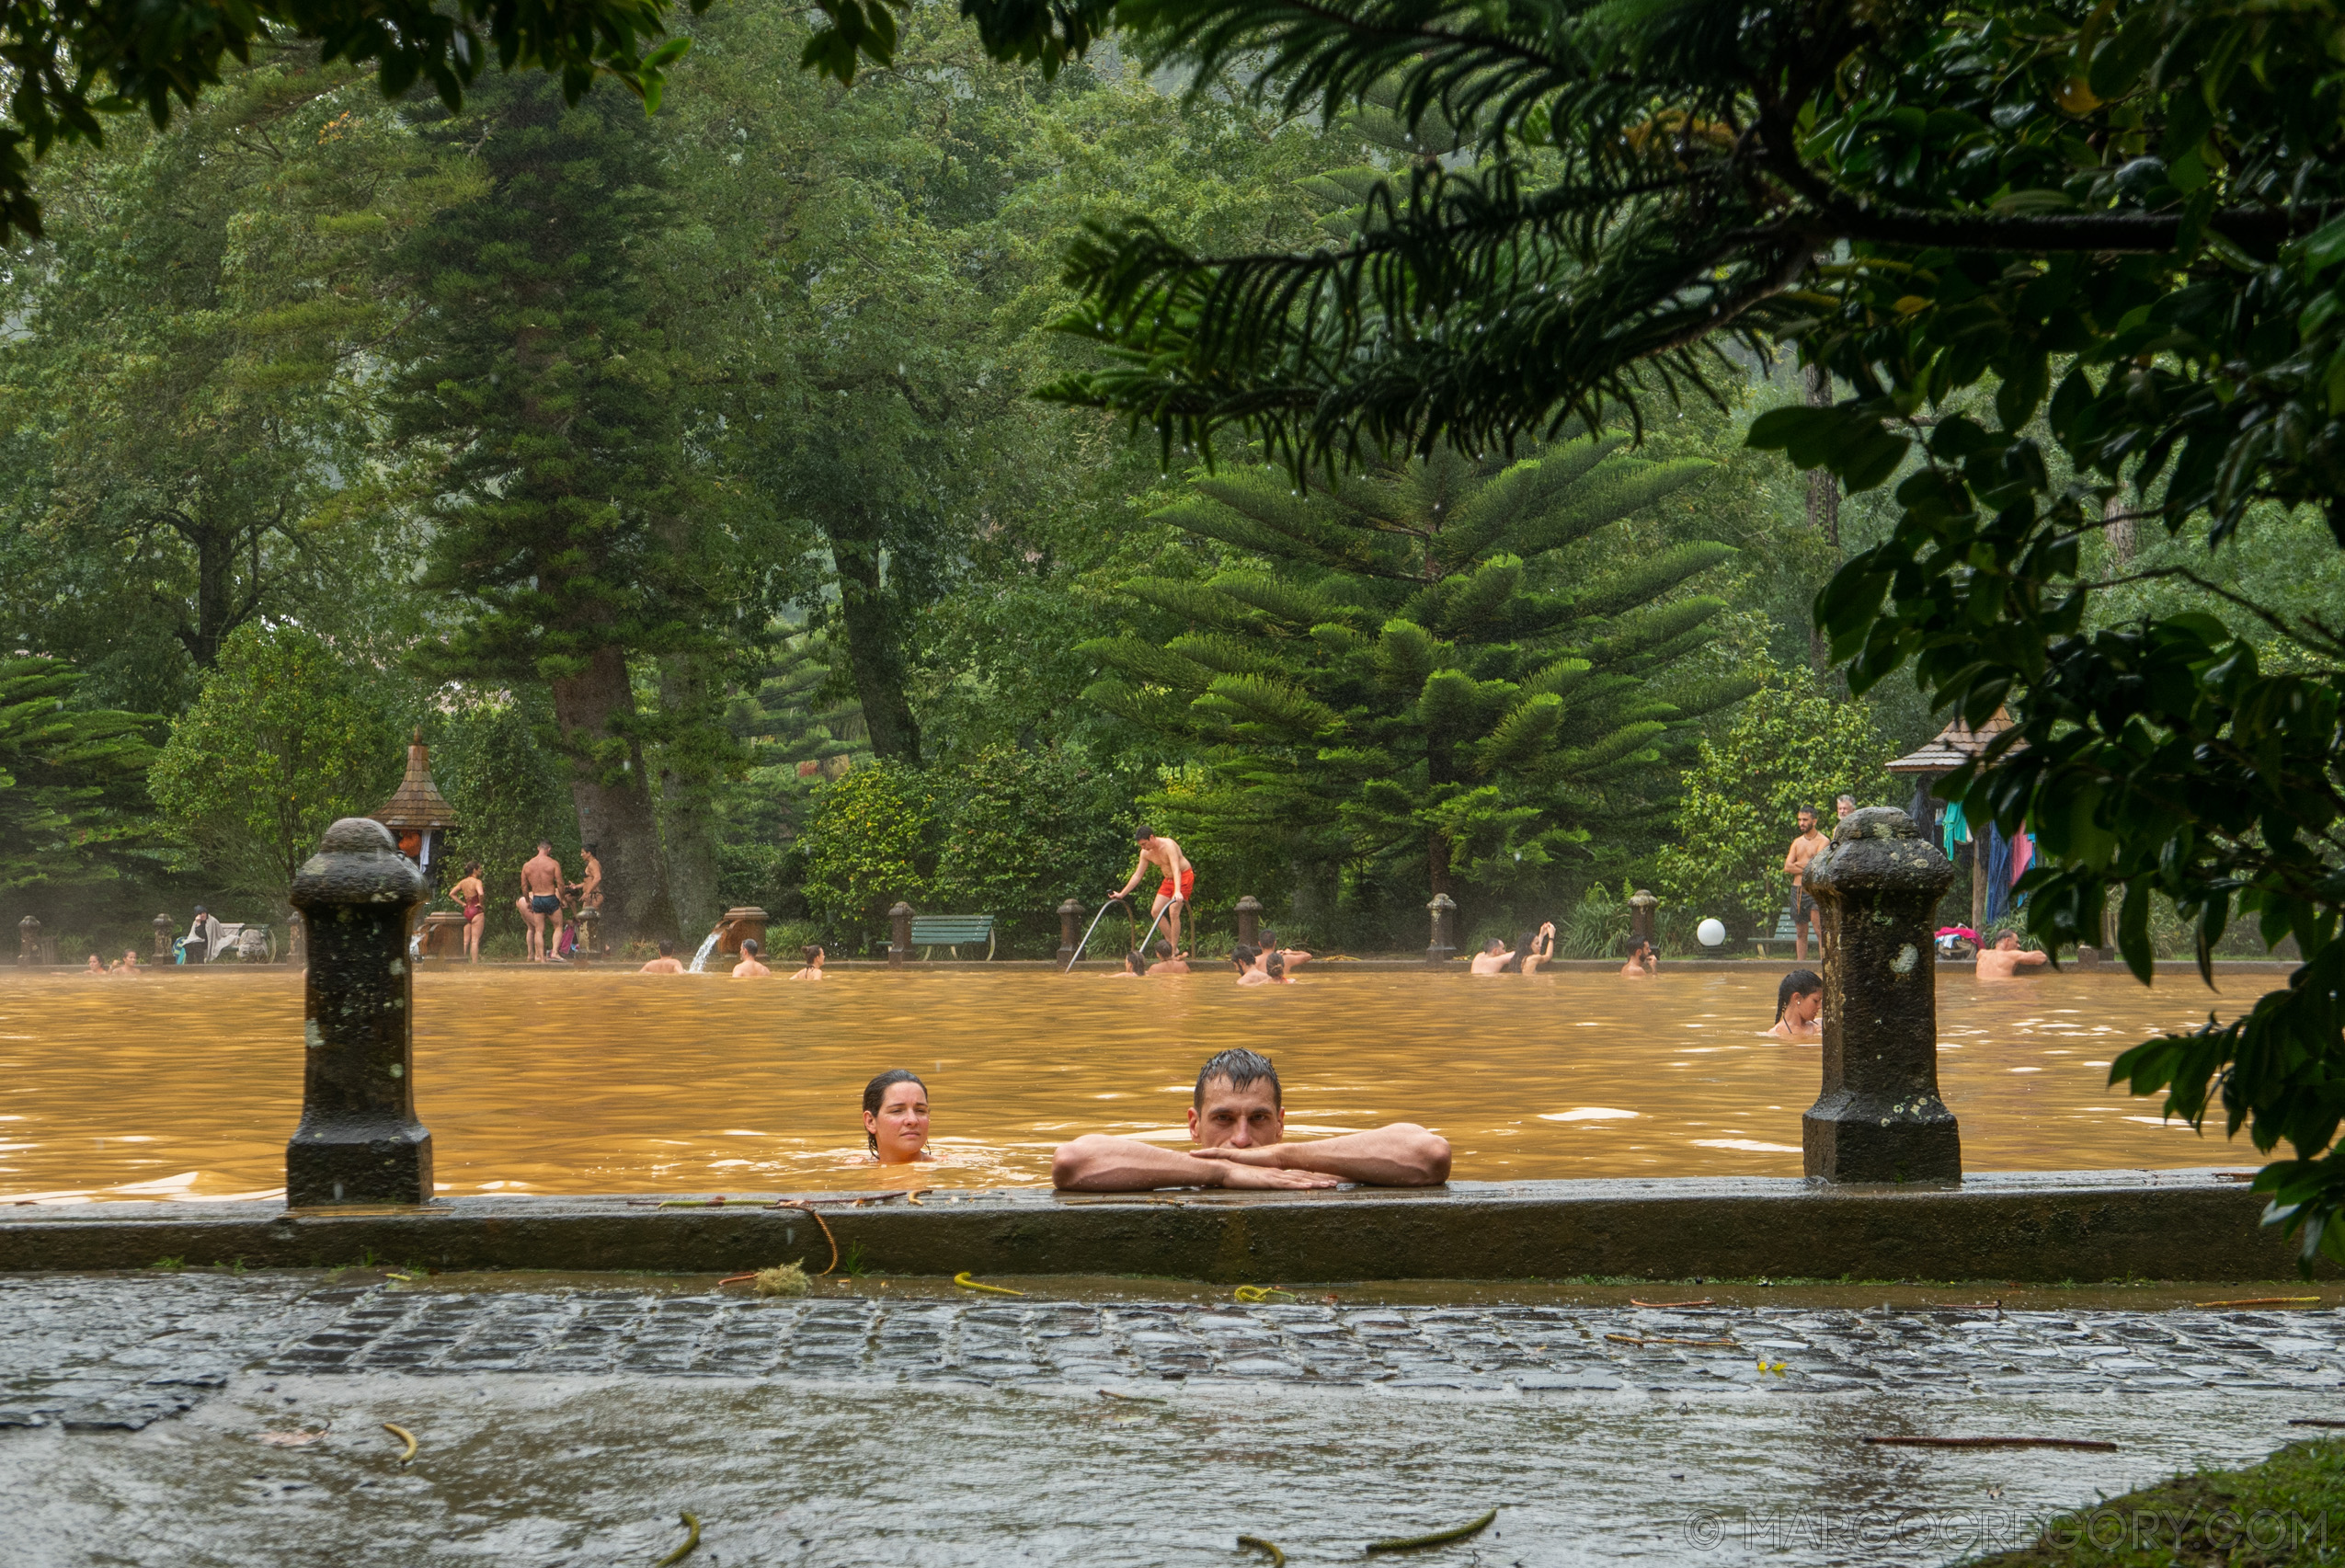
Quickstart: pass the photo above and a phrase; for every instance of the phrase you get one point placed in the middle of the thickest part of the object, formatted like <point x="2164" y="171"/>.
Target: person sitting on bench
<point x="1237" y="1120"/>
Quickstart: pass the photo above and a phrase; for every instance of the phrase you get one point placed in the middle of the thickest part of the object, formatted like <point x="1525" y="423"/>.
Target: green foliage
<point x="1025" y="830"/>
<point x="72" y="797"/>
<point x="868" y="845"/>
<point x="1463" y="664"/>
<point x="508" y="790"/>
<point x="286" y="735"/>
<point x="1788" y="746"/>
<point x="74" y="64"/>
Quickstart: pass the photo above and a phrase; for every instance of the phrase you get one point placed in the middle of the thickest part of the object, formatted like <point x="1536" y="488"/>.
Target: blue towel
<point x="1958" y="831"/>
<point x="1999" y="872"/>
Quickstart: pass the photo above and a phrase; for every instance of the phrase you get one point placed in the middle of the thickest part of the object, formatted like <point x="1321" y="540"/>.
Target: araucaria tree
<point x="1462" y="663"/>
<point x="569" y="536"/>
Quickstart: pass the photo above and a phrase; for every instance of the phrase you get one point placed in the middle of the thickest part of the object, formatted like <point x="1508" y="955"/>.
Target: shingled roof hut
<point x="1955" y="745"/>
<point x="417" y="814"/>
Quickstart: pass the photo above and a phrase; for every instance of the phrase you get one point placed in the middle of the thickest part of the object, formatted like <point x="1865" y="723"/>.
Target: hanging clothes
<point x="2023" y="854"/>
<point x="1958" y="831"/>
<point x="1999" y="872"/>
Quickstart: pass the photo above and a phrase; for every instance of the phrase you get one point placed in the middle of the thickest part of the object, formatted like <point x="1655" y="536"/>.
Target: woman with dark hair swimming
<point x="1798" y="1000"/>
<point x="895" y="1118"/>
<point x="1532" y="949"/>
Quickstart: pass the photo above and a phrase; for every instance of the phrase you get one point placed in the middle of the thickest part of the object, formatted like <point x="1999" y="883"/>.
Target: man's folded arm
<point x="1401" y="1155"/>
<point x="1098" y="1163"/>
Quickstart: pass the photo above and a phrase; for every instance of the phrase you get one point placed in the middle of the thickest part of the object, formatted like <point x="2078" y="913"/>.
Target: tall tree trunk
<point x="1824" y="508"/>
<point x="2121" y="539"/>
<point x="688" y="793"/>
<point x="614" y="802"/>
<point x="873" y="638"/>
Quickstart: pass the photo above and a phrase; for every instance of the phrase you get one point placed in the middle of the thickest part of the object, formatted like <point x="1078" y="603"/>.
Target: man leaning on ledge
<point x="1239" y="1123"/>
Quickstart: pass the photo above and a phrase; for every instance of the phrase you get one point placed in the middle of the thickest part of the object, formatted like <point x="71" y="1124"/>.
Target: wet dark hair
<point x="1798" y="982"/>
<point x="1133" y="963"/>
<point x="1243" y="1069"/>
<point x="1525" y="945"/>
<point x="751" y="946"/>
<point x="1143" y="833"/>
<point x="1244" y="956"/>
<point x="1495" y="944"/>
<point x="875" y="1096"/>
<point x="813" y="952"/>
<point x="1274" y="964"/>
<point x="667" y="949"/>
<point x="1162" y="949"/>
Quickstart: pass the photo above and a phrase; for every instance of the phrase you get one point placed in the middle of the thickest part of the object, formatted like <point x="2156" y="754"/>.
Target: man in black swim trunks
<point x="1805" y="848"/>
<point x="541" y="897"/>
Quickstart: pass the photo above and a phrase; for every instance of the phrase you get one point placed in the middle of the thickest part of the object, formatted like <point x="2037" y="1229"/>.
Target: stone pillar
<point x="163" y="938"/>
<point x="1642" y="905"/>
<point x="296" y="939"/>
<point x="1878" y="1117"/>
<point x="900" y="935"/>
<point x="588" y="921"/>
<point x="1444" y="945"/>
<point x="359" y="1140"/>
<point x="28" y="941"/>
<point x="1249" y="921"/>
<point x="1071" y="920"/>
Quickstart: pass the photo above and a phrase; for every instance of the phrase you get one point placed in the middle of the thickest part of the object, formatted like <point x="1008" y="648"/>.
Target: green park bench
<point x="949" y="932"/>
<point x="1787" y="932"/>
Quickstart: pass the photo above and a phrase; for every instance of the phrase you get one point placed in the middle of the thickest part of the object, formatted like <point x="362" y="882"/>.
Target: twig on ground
<point x="1277" y="1558"/>
<point x="827" y="1236"/>
<point x="2094" y="1444"/>
<point x="403" y="1435"/>
<point x="966" y="1283"/>
<point x="1439" y="1537"/>
<point x="692" y="1542"/>
<point x="1704" y="1301"/>
<point x="2266" y="1301"/>
<point x="1656" y="1339"/>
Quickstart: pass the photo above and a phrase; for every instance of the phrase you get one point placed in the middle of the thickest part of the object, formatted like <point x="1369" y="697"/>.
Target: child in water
<point x="1798" y="1001"/>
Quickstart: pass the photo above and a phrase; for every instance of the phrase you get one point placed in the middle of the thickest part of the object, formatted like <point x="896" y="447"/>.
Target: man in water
<point x="1805" y="848"/>
<point x="1239" y="1123"/>
<point x="1180" y="879"/>
<point x="666" y="963"/>
<point x="540" y="896"/>
<point x="2004" y="960"/>
<point x="1169" y="960"/>
<point x="752" y="964"/>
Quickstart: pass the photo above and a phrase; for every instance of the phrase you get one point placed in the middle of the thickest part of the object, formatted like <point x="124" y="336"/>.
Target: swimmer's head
<point x="2008" y="942"/>
<point x="813" y="955"/>
<point x="1493" y="945"/>
<point x="1244" y="956"/>
<point x="1133" y="963"/>
<point x="1162" y="949"/>
<point x="896" y="1116"/>
<point x="1798" y="985"/>
<point x="667" y="949"/>
<point x="1237" y="1103"/>
<point x="752" y="948"/>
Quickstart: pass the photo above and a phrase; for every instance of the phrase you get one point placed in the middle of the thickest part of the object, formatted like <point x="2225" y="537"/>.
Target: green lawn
<point x="2286" y="1511"/>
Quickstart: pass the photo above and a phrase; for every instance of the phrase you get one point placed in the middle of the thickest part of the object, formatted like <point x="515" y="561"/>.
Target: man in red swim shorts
<point x="1180" y="880"/>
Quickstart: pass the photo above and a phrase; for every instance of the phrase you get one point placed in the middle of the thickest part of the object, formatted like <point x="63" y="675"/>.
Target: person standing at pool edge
<point x="1238" y="1118"/>
<point x="1180" y="879"/>
<point x="540" y="896"/>
<point x="1805" y="848"/>
<point x="472" y="893"/>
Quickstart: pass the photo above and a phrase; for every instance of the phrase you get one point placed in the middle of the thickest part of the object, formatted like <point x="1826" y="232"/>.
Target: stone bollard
<point x="28" y="941"/>
<point x="1443" y="946"/>
<point x="1878" y="1117"/>
<point x="359" y="1140"/>
<point x="1248" y="921"/>
<point x="163" y="938"/>
<point x="296" y="939"/>
<point x="1642" y="904"/>
<point x="900" y="935"/>
<point x="1070" y="918"/>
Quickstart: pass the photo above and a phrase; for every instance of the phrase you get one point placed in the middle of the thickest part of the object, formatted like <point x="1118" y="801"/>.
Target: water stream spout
<point x="708" y="944"/>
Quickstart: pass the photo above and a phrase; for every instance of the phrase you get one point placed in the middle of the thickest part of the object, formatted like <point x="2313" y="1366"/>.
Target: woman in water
<point x="1533" y="948"/>
<point x="1797" y="1001"/>
<point x="896" y="1119"/>
<point x="813" y="971"/>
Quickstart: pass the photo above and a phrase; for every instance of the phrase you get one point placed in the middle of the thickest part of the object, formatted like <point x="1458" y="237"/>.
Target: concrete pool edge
<point x="2082" y="1226"/>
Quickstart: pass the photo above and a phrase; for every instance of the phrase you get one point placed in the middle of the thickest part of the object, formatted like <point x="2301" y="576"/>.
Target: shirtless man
<point x="2004" y="960"/>
<point x="589" y="887"/>
<point x="1296" y="957"/>
<point x="1169" y="960"/>
<point x="471" y="895"/>
<point x="666" y="964"/>
<point x="1642" y="963"/>
<point x="1492" y="960"/>
<point x="540" y="896"/>
<point x="1180" y="879"/>
<point x="1805" y="848"/>
<point x="1239" y="1123"/>
<point x="752" y="964"/>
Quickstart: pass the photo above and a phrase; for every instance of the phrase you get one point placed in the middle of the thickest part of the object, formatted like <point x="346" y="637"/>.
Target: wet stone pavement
<point x="118" y="1352"/>
<point x="201" y="1419"/>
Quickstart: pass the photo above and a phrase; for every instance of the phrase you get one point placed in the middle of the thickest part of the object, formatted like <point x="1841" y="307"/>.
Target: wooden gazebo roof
<point x="1956" y="744"/>
<point x="419" y="803"/>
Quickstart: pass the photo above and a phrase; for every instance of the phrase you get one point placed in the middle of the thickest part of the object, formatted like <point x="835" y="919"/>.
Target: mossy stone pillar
<point x="1250" y="921"/>
<point x="1642" y="905"/>
<point x="1070" y="916"/>
<point x="28" y="941"/>
<point x="900" y="935"/>
<point x="1878" y="1117"/>
<point x="163" y="938"/>
<point x="359" y="1140"/>
<point x="1442" y="909"/>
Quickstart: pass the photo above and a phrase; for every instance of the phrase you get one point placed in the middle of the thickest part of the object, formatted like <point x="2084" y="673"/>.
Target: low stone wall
<point x="2044" y="1227"/>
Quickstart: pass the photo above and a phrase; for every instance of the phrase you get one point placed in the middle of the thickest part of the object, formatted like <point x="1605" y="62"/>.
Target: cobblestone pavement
<point x="114" y="1351"/>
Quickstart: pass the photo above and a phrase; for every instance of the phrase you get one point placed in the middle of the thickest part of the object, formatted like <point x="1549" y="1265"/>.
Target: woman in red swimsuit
<point x="473" y="895"/>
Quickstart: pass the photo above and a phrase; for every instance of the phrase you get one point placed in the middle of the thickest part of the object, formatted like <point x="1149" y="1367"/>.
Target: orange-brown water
<point x="561" y="1082"/>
